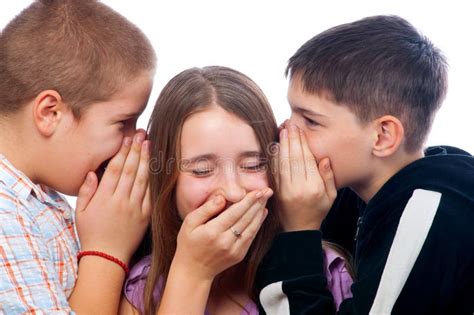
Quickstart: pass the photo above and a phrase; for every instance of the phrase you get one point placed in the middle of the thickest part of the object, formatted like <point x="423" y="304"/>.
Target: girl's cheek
<point x="254" y="181"/>
<point x="191" y="194"/>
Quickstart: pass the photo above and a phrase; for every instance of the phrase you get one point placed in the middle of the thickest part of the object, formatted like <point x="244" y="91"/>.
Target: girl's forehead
<point x="217" y="132"/>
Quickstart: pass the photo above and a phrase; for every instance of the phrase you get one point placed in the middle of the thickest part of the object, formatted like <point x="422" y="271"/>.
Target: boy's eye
<point x="126" y="122"/>
<point x="309" y="122"/>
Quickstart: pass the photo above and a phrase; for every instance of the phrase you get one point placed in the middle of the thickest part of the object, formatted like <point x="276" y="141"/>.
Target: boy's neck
<point x="16" y="147"/>
<point x="382" y="172"/>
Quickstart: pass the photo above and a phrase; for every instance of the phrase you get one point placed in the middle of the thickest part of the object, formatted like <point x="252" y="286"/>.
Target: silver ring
<point x="235" y="232"/>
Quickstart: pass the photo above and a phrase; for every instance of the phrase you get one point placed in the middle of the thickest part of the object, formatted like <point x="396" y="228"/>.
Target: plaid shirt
<point x="38" y="246"/>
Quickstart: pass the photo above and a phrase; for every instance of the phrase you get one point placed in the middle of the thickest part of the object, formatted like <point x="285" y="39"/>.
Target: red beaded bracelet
<point x="104" y="255"/>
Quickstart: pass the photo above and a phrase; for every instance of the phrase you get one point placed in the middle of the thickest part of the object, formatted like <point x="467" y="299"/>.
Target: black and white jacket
<point x="441" y="280"/>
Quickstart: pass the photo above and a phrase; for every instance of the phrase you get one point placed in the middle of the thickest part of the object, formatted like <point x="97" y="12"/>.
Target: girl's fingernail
<point x="284" y="133"/>
<point x="259" y="194"/>
<point x="268" y="193"/>
<point x="217" y="200"/>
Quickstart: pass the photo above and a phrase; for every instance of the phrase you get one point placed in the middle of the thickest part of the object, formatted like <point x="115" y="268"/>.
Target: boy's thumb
<point x="327" y="174"/>
<point x="86" y="192"/>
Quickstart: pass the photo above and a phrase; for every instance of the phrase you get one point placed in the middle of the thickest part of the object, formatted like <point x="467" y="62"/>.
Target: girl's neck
<point x="227" y="295"/>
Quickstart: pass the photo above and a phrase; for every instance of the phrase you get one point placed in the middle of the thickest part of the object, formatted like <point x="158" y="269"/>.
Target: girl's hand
<point x="211" y="240"/>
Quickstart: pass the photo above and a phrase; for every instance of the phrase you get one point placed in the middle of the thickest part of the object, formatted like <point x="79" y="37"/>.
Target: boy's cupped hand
<point x="112" y="216"/>
<point x="306" y="188"/>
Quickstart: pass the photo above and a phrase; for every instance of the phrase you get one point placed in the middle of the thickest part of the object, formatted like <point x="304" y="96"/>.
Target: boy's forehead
<point x="130" y="101"/>
<point x="302" y="100"/>
<point x="116" y="110"/>
<point x="314" y="104"/>
<point x="129" y="111"/>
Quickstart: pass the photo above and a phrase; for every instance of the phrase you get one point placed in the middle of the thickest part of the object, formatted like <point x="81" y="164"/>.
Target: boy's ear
<point x="48" y="109"/>
<point x="388" y="136"/>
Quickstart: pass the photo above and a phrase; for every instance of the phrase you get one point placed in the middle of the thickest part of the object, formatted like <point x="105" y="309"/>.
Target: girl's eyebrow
<point x="199" y="158"/>
<point x="213" y="157"/>
<point x="250" y="154"/>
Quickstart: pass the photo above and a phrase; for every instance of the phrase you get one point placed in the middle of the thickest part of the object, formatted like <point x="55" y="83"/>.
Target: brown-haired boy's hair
<point x="82" y="49"/>
<point x="376" y="66"/>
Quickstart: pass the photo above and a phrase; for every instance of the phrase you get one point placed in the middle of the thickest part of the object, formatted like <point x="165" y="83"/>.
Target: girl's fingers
<point x="209" y="209"/>
<point x="131" y="165"/>
<point x="248" y="235"/>
<point x="239" y="241"/>
<point x="111" y="176"/>
<point x="241" y="225"/>
<point x="233" y="214"/>
<point x="141" y="180"/>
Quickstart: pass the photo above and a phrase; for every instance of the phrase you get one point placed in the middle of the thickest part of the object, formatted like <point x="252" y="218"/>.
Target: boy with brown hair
<point x="75" y="76"/>
<point x="363" y="97"/>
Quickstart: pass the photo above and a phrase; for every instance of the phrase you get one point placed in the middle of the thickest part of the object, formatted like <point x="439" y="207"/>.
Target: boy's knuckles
<point x="136" y="149"/>
<point x="114" y="169"/>
<point x="141" y="182"/>
<point x="129" y="171"/>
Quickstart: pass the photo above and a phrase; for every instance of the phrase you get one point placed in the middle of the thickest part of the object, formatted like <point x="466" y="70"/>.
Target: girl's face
<point x="220" y="154"/>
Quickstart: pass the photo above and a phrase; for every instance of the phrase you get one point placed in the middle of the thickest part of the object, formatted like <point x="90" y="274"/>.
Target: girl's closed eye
<point x="199" y="172"/>
<point x="254" y="166"/>
<point x="201" y="168"/>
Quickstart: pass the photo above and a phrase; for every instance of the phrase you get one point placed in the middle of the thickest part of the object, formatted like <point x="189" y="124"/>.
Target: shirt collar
<point x="21" y="184"/>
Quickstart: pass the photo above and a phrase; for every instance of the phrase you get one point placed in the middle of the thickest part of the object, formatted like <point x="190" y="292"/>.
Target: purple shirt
<point x="337" y="276"/>
<point x="339" y="282"/>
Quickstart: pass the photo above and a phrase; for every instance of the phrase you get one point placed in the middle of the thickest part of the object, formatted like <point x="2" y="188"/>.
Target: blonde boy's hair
<point x="81" y="48"/>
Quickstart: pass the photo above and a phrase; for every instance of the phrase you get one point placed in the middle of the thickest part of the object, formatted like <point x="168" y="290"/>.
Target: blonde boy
<point x="75" y="76"/>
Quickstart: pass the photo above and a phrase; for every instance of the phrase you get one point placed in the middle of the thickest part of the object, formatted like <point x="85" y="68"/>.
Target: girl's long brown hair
<point x="191" y="91"/>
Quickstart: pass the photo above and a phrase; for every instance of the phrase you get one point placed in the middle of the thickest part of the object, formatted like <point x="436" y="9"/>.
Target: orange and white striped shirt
<point x="38" y="246"/>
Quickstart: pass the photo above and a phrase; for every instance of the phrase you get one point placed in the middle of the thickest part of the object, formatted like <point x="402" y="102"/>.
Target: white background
<point x="258" y="37"/>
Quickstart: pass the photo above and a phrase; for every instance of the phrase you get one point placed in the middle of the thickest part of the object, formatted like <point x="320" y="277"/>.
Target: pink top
<point x="339" y="282"/>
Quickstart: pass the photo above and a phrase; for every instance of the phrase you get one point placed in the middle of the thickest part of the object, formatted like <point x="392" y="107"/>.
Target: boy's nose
<point x="291" y="121"/>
